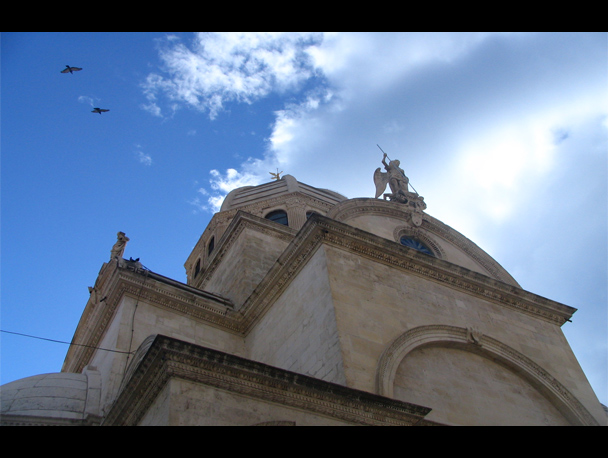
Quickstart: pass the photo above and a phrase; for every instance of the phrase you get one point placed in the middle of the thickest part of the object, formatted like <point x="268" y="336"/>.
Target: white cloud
<point x="86" y="99"/>
<point x="144" y="158"/>
<point x="232" y="179"/>
<point x="225" y="67"/>
<point x="500" y="133"/>
<point x="475" y="112"/>
<point x="221" y="185"/>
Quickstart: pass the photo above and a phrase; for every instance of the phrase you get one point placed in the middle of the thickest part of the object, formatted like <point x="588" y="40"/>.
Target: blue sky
<point x="505" y="135"/>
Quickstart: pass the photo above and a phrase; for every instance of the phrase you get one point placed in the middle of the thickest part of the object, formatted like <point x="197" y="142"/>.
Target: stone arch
<point x="405" y="231"/>
<point x="471" y="340"/>
<point x="278" y="216"/>
<point x="137" y="357"/>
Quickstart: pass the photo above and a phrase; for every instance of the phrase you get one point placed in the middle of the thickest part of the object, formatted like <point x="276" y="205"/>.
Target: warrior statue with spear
<point x="395" y="178"/>
<point x="399" y="184"/>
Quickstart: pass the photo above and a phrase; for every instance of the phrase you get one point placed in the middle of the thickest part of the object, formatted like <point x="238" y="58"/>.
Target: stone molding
<point x="285" y="200"/>
<point x="322" y="230"/>
<point x="31" y="420"/>
<point x="350" y="208"/>
<point x="167" y="358"/>
<point x="240" y="222"/>
<point x="472" y="340"/>
<point x="318" y="230"/>
<point x="353" y="207"/>
<point x="142" y="285"/>
<point x="294" y="202"/>
<point x="401" y="231"/>
<point x="481" y="257"/>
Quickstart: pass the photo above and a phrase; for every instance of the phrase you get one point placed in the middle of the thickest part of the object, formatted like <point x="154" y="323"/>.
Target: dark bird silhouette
<point x="69" y="69"/>
<point x="98" y="110"/>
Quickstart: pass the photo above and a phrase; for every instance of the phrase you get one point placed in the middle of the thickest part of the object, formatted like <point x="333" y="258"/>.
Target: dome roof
<point x="247" y="195"/>
<point x="63" y="397"/>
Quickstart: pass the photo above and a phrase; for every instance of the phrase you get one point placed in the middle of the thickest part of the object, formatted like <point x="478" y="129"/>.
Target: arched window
<point x="278" y="216"/>
<point x="416" y="244"/>
<point x="197" y="269"/>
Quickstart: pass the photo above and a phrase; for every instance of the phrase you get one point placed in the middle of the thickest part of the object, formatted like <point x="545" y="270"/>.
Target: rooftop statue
<point x="400" y="193"/>
<point x="119" y="247"/>
<point x="276" y="176"/>
<point x="395" y="178"/>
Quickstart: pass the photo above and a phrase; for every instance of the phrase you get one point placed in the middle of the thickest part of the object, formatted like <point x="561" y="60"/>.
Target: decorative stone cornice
<point x="239" y="223"/>
<point x="169" y="294"/>
<point x="481" y="257"/>
<point x="346" y="210"/>
<point x="416" y="232"/>
<point x="30" y="420"/>
<point x="220" y="222"/>
<point x="320" y="229"/>
<point x="353" y="207"/>
<point x="166" y="358"/>
<point x="122" y="279"/>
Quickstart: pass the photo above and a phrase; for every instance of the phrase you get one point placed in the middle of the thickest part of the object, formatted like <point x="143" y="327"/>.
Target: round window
<point x="416" y="245"/>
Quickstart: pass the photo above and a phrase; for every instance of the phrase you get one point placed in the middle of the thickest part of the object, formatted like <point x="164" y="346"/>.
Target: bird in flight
<point x="69" y="69"/>
<point x="99" y="110"/>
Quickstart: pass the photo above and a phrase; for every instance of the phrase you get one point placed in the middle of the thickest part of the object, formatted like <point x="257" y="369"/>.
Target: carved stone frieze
<point x="166" y="358"/>
<point x="318" y="230"/>
<point x="441" y="230"/>
<point x="352" y="208"/>
<point x="147" y="287"/>
<point x="324" y="230"/>
<point x="401" y="231"/>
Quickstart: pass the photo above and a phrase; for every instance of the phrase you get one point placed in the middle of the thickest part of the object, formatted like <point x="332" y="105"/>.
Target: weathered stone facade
<point x="339" y="312"/>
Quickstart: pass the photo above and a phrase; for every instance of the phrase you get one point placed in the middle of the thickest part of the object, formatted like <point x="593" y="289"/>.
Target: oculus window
<point x="416" y="244"/>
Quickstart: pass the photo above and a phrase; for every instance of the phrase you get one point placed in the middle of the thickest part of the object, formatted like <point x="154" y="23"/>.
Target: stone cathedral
<point x="305" y="308"/>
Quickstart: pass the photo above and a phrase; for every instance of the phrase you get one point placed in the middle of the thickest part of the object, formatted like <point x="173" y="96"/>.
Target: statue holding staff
<point x="394" y="177"/>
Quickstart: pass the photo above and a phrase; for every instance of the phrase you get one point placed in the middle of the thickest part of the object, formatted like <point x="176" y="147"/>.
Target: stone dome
<point x="52" y="399"/>
<point x="247" y="195"/>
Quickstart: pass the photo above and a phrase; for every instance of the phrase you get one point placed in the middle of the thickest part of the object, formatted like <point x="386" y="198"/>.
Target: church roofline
<point x="351" y="208"/>
<point x="288" y="184"/>
<point x="124" y="278"/>
<point x="319" y="229"/>
<point x="167" y="357"/>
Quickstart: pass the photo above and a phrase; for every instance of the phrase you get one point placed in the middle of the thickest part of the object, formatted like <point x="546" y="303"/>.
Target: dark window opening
<point x="210" y="246"/>
<point x="278" y="216"/>
<point x="416" y="245"/>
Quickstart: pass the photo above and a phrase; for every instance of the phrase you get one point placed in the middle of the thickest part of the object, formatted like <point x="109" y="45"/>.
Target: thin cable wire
<point x="78" y="345"/>
<point x="63" y="342"/>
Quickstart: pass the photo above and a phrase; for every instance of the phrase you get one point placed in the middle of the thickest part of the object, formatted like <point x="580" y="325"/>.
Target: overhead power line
<point x="63" y="342"/>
